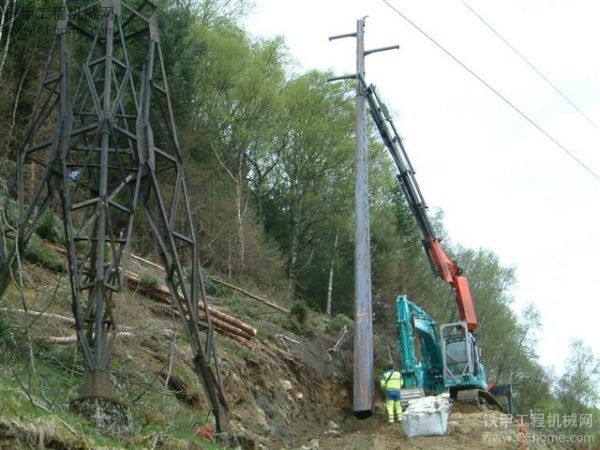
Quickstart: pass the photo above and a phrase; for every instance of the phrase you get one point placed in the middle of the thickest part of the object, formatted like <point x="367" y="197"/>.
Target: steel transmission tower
<point x="102" y="141"/>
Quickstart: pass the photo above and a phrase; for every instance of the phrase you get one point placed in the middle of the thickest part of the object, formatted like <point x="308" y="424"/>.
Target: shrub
<point x="337" y="323"/>
<point x="5" y="332"/>
<point x="291" y="325"/>
<point x="149" y="280"/>
<point x="8" y="206"/>
<point x="38" y="253"/>
<point x="50" y="228"/>
<point x="299" y="311"/>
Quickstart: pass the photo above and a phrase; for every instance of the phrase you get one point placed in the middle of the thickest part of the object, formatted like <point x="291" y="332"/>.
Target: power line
<point x="530" y="64"/>
<point x="494" y="90"/>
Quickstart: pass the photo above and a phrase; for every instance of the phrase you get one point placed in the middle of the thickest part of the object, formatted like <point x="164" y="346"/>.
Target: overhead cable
<point x="494" y="90"/>
<point x="534" y="68"/>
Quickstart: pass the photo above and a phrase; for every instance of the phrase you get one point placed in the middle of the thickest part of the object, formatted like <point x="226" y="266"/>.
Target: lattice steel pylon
<point x="104" y="145"/>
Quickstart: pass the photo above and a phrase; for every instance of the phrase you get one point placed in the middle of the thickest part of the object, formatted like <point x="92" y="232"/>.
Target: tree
<point x="236" y="110"/>
<point x="307" y="186"/>
<point x="579" y="386"/>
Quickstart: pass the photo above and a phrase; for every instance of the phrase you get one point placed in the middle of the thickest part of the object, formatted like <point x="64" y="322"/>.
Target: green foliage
<point x="149" y="280"/>
<point x="38" y="253"/>
<point x="292" y="325"/>
<point x="158" y="417"/>
<point x="299" y="311"/>
<point x="50" y="227"/>
<point x="9" y="208"/>
<point x="213" y="288"/>
<point x="6" y="335"/>
<point x="579" y="387"/>
<point x="337" y="323"/>
<point x="269" y="166"/>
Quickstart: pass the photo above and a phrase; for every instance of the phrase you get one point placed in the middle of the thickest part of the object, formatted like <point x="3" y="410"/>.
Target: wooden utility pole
<point x="363" y="332"/>
<point x="363" y="324"/>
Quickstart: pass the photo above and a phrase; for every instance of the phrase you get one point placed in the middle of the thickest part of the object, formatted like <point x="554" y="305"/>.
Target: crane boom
<point x="442" y="265"/>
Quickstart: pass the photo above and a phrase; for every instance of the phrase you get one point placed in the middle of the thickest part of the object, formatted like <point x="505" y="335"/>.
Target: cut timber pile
<point x="223" y="323"/>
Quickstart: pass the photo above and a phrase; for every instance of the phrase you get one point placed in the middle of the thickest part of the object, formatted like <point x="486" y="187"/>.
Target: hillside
<point x="280" y="386"/>
<point x="267" y="154"/>
<point x="285" y="389"/>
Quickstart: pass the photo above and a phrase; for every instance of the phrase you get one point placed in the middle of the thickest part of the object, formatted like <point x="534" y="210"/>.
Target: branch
<point x="249" y="294"/>
<point x="10" y="26"/>
<point x="223" y="165"/>
<point x="216" y="280"/>
<point x="341" y="340"/>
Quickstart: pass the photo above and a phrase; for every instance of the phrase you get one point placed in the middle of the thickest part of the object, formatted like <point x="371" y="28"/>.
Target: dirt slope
<point x="283" y="389"/>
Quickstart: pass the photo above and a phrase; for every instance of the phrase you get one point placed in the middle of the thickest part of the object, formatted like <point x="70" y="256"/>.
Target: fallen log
<point x="249" y="294"/>
<point x="224" y="326"/>
<point x="223" y="283"/>
<point x="219" y="326"/>
<point x="160" y="292"/>
<point x="339" y="343"/>
<point x="47" y="315"/>
<point x="30" y="312"/>
<point x="215" y="313"/>
<point x="239" y="340"/>
<point x="72" y="339"/>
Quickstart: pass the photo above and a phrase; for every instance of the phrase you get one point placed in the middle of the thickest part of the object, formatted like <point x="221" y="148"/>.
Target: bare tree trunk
<point x="293" y="258"/>
<point x="238" y="179"/>
<point x="331" y="270"/>
<point x="3" y="10"/>
<point x="10" y="25"/>
<point x="229" y="258"/>
<point x="240" y="218"/>
<point x="13" y="120"/>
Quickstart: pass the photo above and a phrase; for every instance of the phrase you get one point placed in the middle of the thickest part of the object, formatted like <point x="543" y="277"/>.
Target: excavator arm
<point x="463" y="373"/>
<point x="442" y="265"/>
<point x="449" y="271"/>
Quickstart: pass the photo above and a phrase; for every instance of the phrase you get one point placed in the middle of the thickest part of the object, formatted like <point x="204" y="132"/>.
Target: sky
<point x="502" y="185"/>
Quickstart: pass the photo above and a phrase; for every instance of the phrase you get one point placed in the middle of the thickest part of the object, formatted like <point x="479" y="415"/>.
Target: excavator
<point x="431" y="364"/>
<point x="451" y="361"/>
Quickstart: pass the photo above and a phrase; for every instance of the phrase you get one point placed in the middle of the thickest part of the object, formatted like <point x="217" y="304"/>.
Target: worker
<point x="391" y="382"/>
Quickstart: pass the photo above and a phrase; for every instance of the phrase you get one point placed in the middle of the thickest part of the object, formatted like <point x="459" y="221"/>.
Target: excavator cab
<point x="461" y="354"/>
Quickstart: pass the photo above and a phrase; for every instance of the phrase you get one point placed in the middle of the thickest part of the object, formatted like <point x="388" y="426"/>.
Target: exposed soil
<point x="282" y="392"/>
<point x="469" y="428"/>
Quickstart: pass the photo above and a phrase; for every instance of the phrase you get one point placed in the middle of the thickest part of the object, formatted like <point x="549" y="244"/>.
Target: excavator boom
<point x="442" y="265"/>
<point x="461" y="370"/>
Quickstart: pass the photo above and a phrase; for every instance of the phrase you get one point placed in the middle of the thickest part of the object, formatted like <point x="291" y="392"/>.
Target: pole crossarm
<point x="342" y="77"/>
<point x="382" y="49"/>
<point x="342" y="36"/>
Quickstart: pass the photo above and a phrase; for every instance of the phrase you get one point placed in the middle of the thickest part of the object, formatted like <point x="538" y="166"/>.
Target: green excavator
<point x="450" y="361"/>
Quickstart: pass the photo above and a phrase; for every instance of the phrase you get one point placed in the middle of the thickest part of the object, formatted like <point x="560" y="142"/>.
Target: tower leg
<point x="113" y="143"/>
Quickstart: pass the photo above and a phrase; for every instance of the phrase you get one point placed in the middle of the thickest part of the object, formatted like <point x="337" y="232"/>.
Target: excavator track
<point x="409" y="394"/>
<point x="480" y="397"/>
<point x="468" y="396"/>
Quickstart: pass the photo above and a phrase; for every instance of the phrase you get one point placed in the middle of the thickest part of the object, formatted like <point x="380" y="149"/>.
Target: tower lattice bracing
<point x="102" y="142"/>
